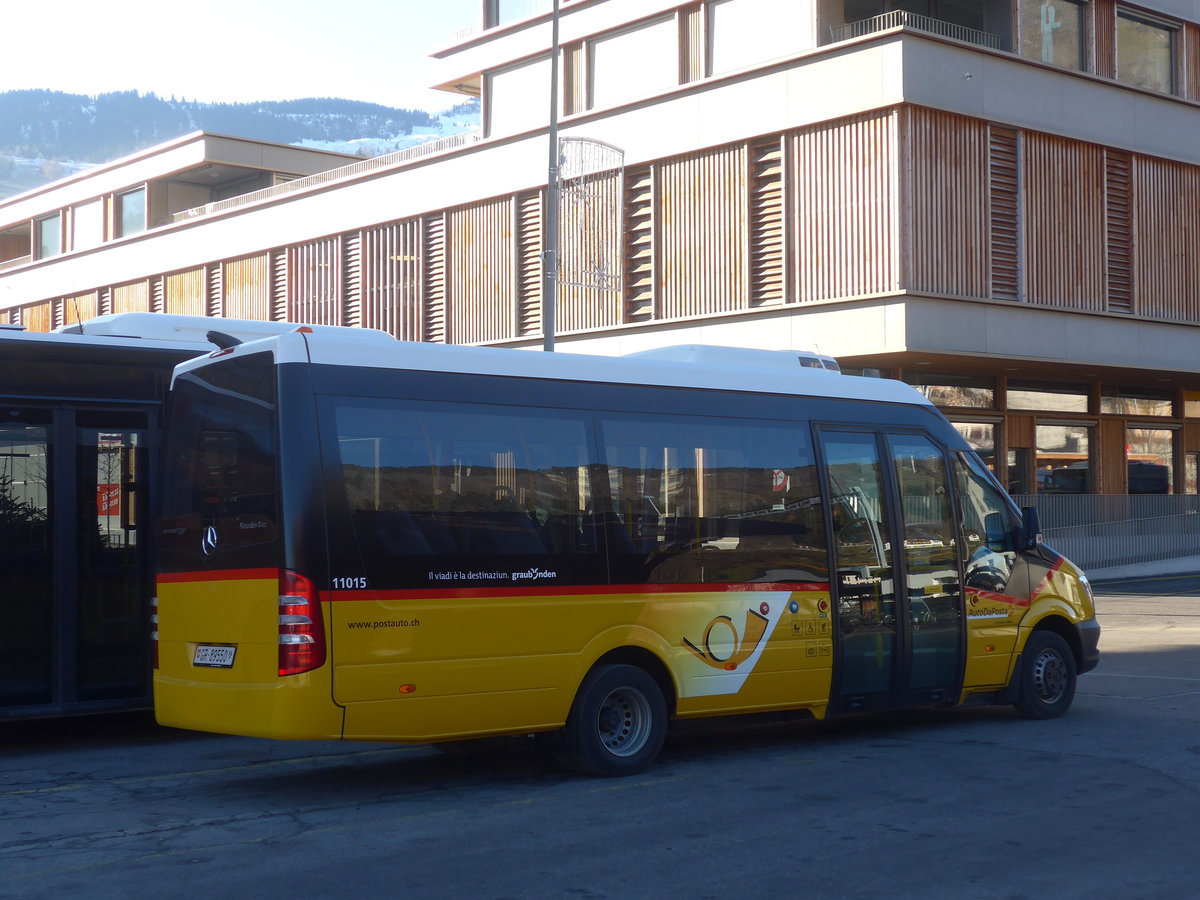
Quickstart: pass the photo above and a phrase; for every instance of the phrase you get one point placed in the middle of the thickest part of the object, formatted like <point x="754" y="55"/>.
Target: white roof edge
<point x="345" y="346"/>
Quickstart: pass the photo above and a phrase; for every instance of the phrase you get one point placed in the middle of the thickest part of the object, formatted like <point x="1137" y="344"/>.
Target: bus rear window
<point x="220" y="494"/>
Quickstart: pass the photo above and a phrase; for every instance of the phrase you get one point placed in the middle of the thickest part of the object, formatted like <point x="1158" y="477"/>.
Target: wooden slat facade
<point x="352" y="279"/>
<point x="1065" y="222"/>
<point x="80" y="308"/>
<point x="391" y="279"/>
<point x="435" y="278"/>
<point x="315" y="284"/>
<point x="133" y="297"/>
<point x="639" y="245"/>
<point x="1118" y="231"/>
<point x="768" y="226"/>
<point x="214" y="289"/>
<point x="481" y="276"/>
<point x="1104" y="41"/>
<point x="702" y="200"/>
<point x="1190" y="56"/>
<point x="589" y="252"/>
<point x="247" y="284"/>
<point x="279" y="282"/>
<point x="692" y="43"/>
<point x="844" y="181"/>
<point x="1168" y="220"/>
<point x="38" y="316"/>
<point x="1113" y="474"/>
<point x="906" y="199"/>
<point x="530" y="269"/>
<point x="947" y="224"/>
<point x="185" y="293"/>
<point x="1004" y="214"/>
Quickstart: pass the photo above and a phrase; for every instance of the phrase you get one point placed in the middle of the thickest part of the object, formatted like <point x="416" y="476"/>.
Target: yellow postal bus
<point x="375" y="540"/>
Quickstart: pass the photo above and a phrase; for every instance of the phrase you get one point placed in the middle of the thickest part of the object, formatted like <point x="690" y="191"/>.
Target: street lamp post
<point x="550" y="239"/>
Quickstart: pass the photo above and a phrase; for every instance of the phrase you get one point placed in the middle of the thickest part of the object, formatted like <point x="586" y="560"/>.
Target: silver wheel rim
<point x="1050" y="676"/>
<point x="624" y="721"/>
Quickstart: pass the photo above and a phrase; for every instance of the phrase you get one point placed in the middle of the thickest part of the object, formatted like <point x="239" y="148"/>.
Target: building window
<point x="1120" y="401"/>
<point x="1064" y="461"/>
<point x="1150" y="458"/>
<point x="1191" y="473"/>
<point x="737" y="38"/>
<point x="1145" y="53"/>
<point x="634" y="63"/>
<point x="131" y="212"/>
<point x="954" y="390"/>
<point x="87" y="225"/>
<point x="1053" y="32"/>
<point x="49" y="235"/>
<point x="1047" y="396"/>
<point x="518" y="99"/>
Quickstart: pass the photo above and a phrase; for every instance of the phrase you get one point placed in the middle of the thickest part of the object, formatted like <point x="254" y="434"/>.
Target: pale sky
<point x="234" y="50"/>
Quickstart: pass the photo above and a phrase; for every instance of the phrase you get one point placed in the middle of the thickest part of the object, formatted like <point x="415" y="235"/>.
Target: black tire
<point x="617" y="724"/>
<point x="1046" y="677"/>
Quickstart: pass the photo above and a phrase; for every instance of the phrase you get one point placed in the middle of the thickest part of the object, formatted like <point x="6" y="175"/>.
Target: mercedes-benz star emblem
<point x="208" y="543"/>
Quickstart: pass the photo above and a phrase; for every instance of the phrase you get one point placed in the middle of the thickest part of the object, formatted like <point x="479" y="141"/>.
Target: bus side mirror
<point x="1031" y="528"/>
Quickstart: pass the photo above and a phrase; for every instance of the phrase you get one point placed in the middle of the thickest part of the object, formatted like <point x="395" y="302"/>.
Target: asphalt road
<point x="936" y="803"/>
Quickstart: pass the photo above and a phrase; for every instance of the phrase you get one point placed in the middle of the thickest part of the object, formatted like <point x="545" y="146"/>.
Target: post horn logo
<point x="723" y="648"/>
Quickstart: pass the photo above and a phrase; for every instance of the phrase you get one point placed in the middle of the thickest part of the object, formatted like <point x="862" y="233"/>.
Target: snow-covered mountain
<point x="47" y="135"/>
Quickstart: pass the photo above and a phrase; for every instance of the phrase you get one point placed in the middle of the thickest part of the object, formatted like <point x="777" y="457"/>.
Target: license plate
<point x="213" y="656"/>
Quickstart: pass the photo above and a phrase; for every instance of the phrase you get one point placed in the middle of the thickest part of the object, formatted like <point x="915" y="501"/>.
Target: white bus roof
<point x="706" y="367"/>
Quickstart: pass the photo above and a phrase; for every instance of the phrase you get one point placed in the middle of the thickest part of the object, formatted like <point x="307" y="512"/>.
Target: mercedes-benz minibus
<point x="375" y="540"/>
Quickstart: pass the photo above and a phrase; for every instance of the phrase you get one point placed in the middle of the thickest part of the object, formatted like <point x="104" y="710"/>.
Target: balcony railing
<point x="357" y="168"/>
<point x="899" y="18"/>
<point x="1097" y="531"/>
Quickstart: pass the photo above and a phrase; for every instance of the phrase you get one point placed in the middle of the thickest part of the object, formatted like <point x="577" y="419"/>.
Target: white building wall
<point x="836" y="82"/>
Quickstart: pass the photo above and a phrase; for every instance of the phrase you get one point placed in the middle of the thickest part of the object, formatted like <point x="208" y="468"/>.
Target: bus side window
<point x="708" y="500"/>
<point x="987" y="523"/>
<point x="439" y="493"/>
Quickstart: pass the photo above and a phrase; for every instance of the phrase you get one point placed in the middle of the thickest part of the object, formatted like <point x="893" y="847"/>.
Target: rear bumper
<point x="1089" y="640"/>
<point x="297" y="707"/>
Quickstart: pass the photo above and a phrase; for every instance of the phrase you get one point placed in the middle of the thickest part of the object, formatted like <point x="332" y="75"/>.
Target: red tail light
<point x="301" y="631"/>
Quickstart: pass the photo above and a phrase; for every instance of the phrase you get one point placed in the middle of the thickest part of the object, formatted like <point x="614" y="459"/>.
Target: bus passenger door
<point x="933" y="595"/>
<point x="112" y="584"/>
<point x="896" y="583"/>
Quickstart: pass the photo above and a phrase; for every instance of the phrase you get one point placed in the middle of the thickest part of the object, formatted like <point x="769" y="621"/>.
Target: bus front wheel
<point x="1047" y="677"/>
<point x="617" y="724"/>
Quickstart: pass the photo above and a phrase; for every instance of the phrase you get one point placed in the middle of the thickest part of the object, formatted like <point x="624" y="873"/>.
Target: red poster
<point x="108" y="499"/>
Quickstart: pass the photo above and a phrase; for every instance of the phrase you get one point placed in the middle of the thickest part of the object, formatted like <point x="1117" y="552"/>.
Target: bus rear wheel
<point x="617" y="724"/>
<point x="1047" y="677"/>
